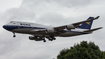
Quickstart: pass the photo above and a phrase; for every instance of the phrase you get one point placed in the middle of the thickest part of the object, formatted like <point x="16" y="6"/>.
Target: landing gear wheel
<point x="54" y="38"/>
<point x="51" y="39"/>
<point x="14" y="35"/>
<point x="44" y="40"/>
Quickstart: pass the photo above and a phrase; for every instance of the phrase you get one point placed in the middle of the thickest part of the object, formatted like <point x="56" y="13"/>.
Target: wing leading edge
<point x="75" y="25"/>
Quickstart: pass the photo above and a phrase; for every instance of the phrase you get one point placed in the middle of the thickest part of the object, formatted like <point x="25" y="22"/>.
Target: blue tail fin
<point x="87" y="25"/>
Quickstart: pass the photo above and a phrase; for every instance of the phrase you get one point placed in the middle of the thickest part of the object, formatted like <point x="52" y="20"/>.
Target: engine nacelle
<point x="50" y="30"/>
<point x="69" y="27"/>
<point x="35" y="38"/>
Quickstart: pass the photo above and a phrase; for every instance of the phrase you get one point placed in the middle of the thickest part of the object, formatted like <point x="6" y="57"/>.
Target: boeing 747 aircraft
<point x="40" y="32"/>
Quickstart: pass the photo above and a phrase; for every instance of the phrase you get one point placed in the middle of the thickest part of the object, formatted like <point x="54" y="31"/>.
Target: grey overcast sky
<point x="51" y="13"/>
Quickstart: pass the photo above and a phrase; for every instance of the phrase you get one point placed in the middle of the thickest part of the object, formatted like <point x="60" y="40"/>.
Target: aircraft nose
<point x="4" y="26"/>
<point x="8" y="27"/>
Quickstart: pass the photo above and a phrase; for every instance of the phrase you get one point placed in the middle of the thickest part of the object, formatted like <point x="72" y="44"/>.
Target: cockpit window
<point x="11" y="22"/>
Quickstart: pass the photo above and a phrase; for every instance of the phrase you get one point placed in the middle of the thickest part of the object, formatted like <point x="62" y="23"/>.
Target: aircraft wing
<point x="75" y="24"/>
<point x="60" y="29"/>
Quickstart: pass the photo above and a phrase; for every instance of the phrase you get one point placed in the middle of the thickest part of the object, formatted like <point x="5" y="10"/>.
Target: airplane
<point x="41" y="32"/>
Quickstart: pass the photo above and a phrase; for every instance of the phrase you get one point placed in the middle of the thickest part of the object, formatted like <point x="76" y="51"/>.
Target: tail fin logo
<point x="88" y="23"/>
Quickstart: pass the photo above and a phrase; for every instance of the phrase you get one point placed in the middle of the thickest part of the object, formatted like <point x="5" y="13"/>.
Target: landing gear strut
<point x="51" y="38"/>
<point x="44" y="40"/>
<point x="14" y="34"/>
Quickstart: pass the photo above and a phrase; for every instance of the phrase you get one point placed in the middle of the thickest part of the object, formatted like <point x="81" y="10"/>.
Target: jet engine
<point x="50" y="30"/>
<point x="69" y="27"/>
<point x="35" y="38"/>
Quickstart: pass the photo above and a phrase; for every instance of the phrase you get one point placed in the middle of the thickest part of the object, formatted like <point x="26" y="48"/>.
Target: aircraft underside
<point x="39" y="36"/>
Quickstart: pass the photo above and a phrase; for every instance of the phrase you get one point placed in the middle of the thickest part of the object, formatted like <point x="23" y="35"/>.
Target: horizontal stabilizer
<point x="91" y="30"/>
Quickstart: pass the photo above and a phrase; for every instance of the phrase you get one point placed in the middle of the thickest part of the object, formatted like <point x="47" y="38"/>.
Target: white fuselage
<point x="41" y="32"/>
<point x="33" y="29"/>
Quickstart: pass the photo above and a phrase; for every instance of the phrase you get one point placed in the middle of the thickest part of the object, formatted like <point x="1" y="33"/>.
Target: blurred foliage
<point x="83" y="50"/>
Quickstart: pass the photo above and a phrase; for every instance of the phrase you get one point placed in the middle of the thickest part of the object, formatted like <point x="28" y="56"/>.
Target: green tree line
<point x="83" y="50"/>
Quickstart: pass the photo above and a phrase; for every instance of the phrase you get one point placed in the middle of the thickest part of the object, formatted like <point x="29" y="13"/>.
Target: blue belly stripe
<point x="10" y="28"/>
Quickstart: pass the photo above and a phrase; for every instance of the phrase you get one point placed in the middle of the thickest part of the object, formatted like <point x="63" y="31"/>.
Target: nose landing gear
<point x="14" y="34"/>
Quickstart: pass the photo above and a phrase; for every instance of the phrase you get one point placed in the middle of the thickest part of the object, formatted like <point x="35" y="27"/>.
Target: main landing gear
<point x="51" y="39"/>
<point x="44" y="40"/>
<point x="14" y="34"/>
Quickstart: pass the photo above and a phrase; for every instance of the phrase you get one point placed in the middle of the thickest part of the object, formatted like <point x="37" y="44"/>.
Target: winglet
<point x="97" y="17"/>
<point x="93" y="18"/>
